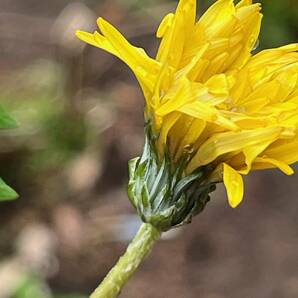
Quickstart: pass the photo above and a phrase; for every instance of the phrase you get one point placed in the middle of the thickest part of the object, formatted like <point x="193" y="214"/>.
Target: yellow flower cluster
<point x="209" y="97"/>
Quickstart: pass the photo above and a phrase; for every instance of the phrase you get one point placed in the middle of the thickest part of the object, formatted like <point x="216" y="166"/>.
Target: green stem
<point x="136" y="252"/>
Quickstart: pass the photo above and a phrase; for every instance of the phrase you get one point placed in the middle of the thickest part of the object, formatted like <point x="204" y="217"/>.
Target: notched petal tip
<point x="101" y="22"/>
<point x="81" y="34"/>
<point x="244" y="3"/>
<point x="165" y="25"/>
<point x="86" y="37"/>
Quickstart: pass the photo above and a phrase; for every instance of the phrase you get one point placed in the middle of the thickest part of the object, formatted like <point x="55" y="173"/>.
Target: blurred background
<point x="80" y="116"/>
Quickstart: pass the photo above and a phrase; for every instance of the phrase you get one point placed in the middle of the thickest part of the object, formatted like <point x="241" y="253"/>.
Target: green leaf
<point x="6" y="121"/>
<point x="6" y="192"/>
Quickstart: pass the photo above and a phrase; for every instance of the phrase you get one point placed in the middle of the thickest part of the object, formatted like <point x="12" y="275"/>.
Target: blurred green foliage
<point x="35" y="287"/>
<point x="280" y="24"/>
<point x="6" y="122"/>
<point x="47" y="126"/>
<point x="32" y="287"/>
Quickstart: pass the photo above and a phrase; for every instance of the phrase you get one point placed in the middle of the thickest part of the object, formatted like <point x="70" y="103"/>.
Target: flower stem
<point x="136" y="252"/>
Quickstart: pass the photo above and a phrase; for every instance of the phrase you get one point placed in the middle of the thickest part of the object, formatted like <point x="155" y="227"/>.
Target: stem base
<point x="136" y="252"/>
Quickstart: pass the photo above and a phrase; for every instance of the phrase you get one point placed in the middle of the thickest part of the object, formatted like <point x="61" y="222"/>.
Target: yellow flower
<point x="209" y="98"/>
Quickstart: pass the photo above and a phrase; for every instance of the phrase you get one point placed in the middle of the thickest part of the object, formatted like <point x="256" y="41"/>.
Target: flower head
<point x="212" y="106"/>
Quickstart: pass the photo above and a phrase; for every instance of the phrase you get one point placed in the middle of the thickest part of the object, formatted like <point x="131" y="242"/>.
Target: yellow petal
<point x="168" y="123"/>
<point x="232" y="32"/>
<point x="176" y="97"/>
<point x="285" y="151"/>
<point x="165" y="24"/>
<point x="173" y="38"/>
<point x="194" y="67"/>
<point x="218" y="85"/>
<point x="174" y="31"/>
<point x="187" y="9"/>
<point x="244" y="3"/>
<point x="217" y="16"/>
<point x="199" y="110"/>
<point x="144" y="67"/>
<point x="98" y="41"/>
<point x="234" y="185"/>
<point x="262" y="163"/>
<point x="250" y="20"/>
<point x="226" y="142"/>
<point x="133" y="56"/>
<point x="252" y="152"/>
<point x="187" y="139"/>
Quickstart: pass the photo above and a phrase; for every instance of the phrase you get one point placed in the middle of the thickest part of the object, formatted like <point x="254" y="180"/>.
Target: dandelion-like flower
<point x="214" y="111"/>
<point x="211" y="106"/>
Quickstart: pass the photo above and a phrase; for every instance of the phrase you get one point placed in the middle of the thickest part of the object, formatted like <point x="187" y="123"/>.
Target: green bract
<point x="6" y="122"/>
<point x="161" y="193"/>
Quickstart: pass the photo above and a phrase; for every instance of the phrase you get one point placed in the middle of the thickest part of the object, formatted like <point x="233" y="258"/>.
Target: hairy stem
<point x="136" y="252"/>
